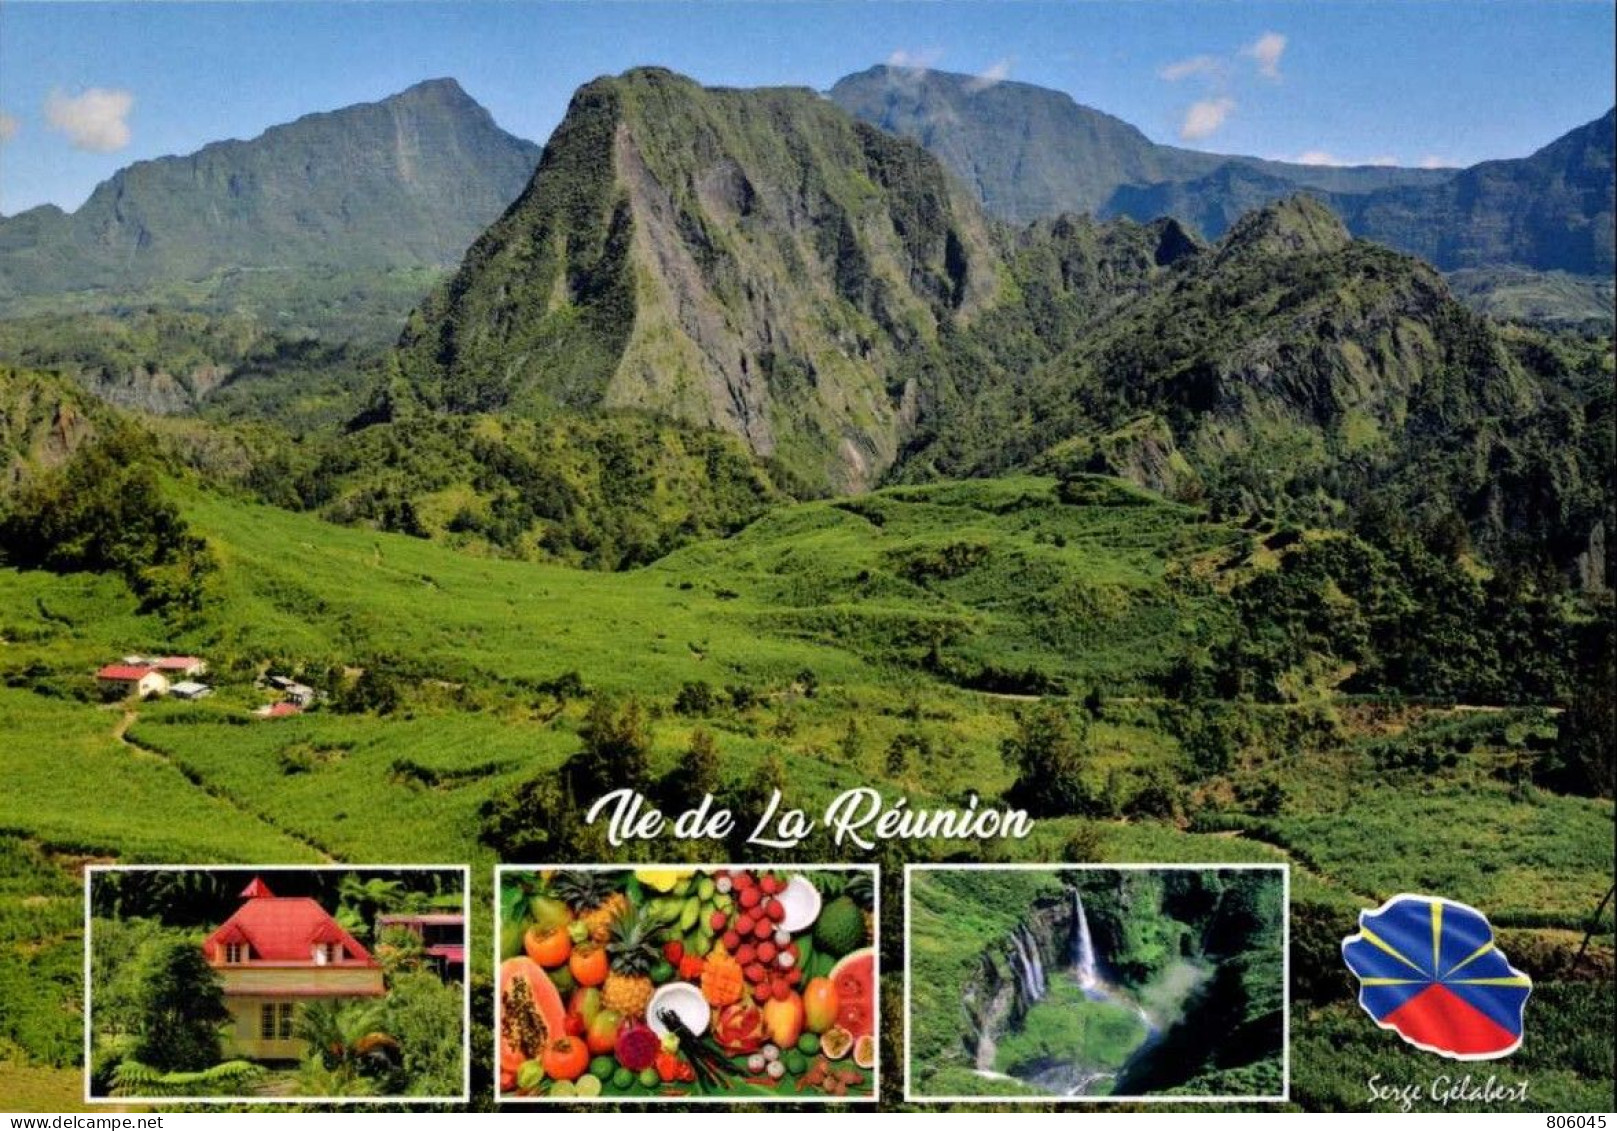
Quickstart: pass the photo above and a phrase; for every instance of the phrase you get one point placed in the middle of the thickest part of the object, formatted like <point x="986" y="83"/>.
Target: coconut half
<point x="685" y="1001"/>
<point x="801" y="900"/>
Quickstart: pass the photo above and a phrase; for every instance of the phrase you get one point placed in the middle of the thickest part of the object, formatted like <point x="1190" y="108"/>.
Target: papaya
<point x="531" y="1014"/>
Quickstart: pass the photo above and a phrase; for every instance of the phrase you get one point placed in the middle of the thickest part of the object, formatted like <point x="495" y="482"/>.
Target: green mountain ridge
<point x="758" y="263"/>
<point x="406" y="182"/>
<point x="1029" y="152"/>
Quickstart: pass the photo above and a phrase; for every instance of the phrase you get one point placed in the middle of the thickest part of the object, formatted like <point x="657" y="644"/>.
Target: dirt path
<point x="120" y="732"/>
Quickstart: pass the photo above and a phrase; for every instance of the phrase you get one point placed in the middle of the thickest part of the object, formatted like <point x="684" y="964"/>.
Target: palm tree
<point x="346" y="1039"/>
<point x="362" y="899"/>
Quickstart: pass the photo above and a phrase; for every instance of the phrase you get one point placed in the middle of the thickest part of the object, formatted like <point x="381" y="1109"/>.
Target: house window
<point x="275" y="1021"/>
<point x="236" y="952"/>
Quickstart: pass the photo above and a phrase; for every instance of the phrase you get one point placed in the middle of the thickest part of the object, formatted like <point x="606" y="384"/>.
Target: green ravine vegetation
<point x="1168" y="983"/>
<point x="746" y="451"/>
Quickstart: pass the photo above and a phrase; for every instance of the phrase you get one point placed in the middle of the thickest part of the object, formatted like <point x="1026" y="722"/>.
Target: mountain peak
<point x="1296" y="225"/>
<point x="750" y="260"/>
<point x="407" y="181"/>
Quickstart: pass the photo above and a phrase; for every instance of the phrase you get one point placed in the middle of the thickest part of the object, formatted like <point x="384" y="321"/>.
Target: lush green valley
<point x="746" y="451"/>
<point x="894" y="638"/>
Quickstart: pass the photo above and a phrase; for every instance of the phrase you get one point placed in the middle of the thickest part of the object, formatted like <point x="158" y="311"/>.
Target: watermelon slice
<point x="855" y="980"/>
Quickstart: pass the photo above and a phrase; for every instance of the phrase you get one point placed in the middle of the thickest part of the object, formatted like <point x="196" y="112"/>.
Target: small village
<point x="180" y="677"/>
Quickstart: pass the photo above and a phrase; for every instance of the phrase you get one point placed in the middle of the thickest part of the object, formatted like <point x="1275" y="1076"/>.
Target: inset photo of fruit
<point x="1096" y="983"/>
<point x="687" y="984"/>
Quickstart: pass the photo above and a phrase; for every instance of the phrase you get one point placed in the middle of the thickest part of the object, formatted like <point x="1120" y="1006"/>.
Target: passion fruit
<point x="864" y="1052"/>
<point x="836" y="1042"/>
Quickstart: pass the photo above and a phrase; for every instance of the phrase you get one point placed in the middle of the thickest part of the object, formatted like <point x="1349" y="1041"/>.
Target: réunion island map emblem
<point x="1429" y="970"/>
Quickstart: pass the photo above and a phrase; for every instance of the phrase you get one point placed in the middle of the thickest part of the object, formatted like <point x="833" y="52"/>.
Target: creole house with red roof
<point x="142" y="680"/>
<point x="275" y="955"/>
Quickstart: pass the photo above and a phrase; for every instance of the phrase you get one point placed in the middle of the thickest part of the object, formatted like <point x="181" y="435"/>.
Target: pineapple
<point x="632" y="954"/>
<point x="592" y="900"/>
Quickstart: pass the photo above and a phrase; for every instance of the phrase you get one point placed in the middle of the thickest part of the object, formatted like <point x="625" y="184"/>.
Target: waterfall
<point x="1035" y="962"/>
<point x="1027" y="964"/>
<point x="1083" y="946"/>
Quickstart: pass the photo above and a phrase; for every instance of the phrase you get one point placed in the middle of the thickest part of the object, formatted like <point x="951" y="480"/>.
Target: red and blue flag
<point x="1429" y="970"/>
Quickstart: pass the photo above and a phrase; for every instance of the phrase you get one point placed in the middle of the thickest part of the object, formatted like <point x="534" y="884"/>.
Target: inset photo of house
<point x="332" y="984"/>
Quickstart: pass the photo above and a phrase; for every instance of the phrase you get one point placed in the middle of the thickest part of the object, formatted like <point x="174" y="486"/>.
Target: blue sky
<point x="88" y="88"/>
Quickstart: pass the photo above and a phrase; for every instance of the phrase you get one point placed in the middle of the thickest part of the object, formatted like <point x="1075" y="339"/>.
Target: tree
<point x="1584" y="761"/>
<point x="181" y="1005"/>
<point x="538" y="820"/>
<point x="425" y="1016"/>
<point x="1047" y="754"/>
<point x="696" y="775"/>
<point x="617" y="749"/>
<point x="363" y="899"/>
<point x="348" y="1040"/>
<point x="906" y="749"/>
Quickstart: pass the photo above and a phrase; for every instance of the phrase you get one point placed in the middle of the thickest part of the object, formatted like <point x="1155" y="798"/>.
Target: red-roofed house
<point x="442" y="935"/>
<point x="183" y="666"/>
<point x="276" y="954"/>
<point x="140" y="679"/>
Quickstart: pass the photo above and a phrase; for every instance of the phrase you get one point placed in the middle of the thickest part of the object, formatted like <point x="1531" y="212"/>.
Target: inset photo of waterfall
<point x="1096" y="983"/>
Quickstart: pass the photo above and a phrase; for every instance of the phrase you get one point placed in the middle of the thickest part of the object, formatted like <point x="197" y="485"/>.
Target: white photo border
<point x="465" y="873"/>
<point x="910" y="1096"/>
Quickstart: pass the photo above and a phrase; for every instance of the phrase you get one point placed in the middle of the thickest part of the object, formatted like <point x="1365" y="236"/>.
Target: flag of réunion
<point x="1429" y="970"/>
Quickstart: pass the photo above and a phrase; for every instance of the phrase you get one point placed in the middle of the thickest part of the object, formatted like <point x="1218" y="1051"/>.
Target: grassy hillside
<point x="893" y="639"/>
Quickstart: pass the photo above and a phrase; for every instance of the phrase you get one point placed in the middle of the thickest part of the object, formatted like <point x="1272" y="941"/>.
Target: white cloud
<point x="1433" y="161"/>
<point x="1266" y="51"/>
<point x="1204" y="118"/>
<point x="921" y="60"/>
<point x="1195" y="67"/>
<point x="1326" y="157"/>
<point x="8" y="127"/>
<point x="992" y="76"/>
<point x="96" y="120"/>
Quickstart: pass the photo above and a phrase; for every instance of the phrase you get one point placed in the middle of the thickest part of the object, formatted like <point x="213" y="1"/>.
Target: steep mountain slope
<point x="1550" y="211"/>
<point x="406" y="182"/>
<point x="746" y="260"/>
<point x="1030" y="152"/>
<point x="44" y="419"/>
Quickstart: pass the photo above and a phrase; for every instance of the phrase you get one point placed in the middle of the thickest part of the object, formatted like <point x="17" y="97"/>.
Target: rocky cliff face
<point x="999" y="995"/>
<point x="751" y="260"/>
